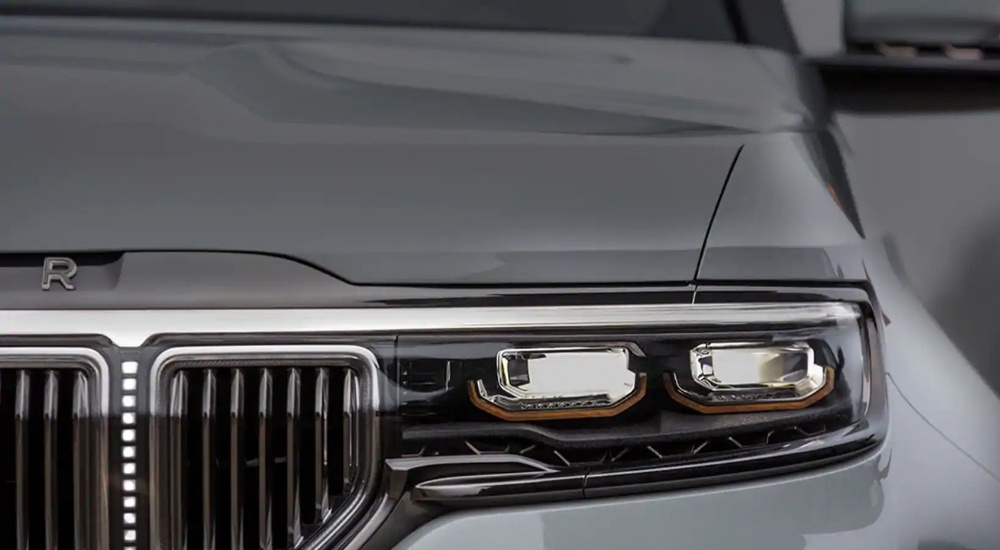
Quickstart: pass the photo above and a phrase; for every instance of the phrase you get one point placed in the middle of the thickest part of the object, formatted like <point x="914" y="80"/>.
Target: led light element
<point x="555" y="383"/>
<point x="743" y="377"/>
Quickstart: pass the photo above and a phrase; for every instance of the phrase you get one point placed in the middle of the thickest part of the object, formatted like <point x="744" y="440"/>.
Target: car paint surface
<point x="414" y="157"/>
<point x="382" y="156"/>
<point x="787" y="214"/>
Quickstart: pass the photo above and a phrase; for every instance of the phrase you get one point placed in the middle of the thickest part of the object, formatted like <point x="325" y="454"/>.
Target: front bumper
<point x="782" y="513"/>
<point x="916" y="491"/>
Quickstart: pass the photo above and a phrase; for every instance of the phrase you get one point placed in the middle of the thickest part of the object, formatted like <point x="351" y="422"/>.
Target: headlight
<point x="731" y="377"/>
<point x="508" y="414"/>
<point x="559" y="383"/>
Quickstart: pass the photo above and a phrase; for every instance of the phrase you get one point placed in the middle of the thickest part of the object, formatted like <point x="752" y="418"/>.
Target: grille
<point x="249" y="459"/>
<point x="53" y="460"/>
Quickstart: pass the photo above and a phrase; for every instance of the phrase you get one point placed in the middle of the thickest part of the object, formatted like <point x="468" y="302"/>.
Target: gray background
<point x="932" y="184"/>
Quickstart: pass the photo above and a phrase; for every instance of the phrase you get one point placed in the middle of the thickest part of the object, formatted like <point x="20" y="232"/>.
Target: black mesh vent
<point x="557" y="457"/>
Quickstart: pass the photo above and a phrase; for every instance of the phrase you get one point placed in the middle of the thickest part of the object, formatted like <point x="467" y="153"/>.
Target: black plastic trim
<point x="719" y="469"/>
<point x="669" y="427"/>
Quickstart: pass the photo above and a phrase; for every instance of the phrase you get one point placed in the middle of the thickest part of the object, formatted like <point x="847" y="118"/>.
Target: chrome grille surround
<point x="89" y="416"/>
<point x="361" y="433"/>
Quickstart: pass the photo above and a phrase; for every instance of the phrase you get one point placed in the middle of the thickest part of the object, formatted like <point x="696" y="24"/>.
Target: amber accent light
<point x="559" y="414"/>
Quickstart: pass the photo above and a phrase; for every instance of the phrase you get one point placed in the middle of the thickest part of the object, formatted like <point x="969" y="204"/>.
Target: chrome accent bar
<point x="178" y="509"/>
<point x="320" y="465"/>
<point x="81" y="463"/>
<point x="50" y="415"/>
<point x="513" y="486"/>
<point x="21" y="407"/>
<point x="133" y="327"/>
<point x="236" y="493"/>
<point x="208" y="391"/>
<point x="293" y="399"/>
<point x="264" y="404"/>
<point x="407" y="465"/>
<point x="402" y="468"/>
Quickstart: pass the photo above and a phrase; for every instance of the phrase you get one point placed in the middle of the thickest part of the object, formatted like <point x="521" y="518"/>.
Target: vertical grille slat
<point x="50" y="414"/>
<point x="235" y="461"/>
<point x="292" y="472"/>
<point x="208" y="404"/>
<point x="81" y="464"/>
<point x="320" y="411"/>
<point x="255" y="466"/>
<point x="264" y="403"/>
<point x="21" y="415"/>
<point x="351" y="406"/>
<point x="177" y="416"/>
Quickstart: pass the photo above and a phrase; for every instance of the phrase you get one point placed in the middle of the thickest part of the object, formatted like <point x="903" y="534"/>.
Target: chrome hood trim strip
<point x="131" y="328"/>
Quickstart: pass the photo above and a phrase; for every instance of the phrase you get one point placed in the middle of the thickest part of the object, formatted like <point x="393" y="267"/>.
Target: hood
<point x="381" y="156"/>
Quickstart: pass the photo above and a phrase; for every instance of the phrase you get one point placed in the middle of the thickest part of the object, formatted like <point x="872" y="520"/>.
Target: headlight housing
<point x="603" y="408"/>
